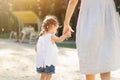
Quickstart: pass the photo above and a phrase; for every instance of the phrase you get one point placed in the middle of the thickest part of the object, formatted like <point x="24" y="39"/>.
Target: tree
<point x="4" y="7"/>
<point x="7" y="20"/>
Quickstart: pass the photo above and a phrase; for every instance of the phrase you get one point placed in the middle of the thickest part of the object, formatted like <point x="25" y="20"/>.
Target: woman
<point x="97" y="37"/>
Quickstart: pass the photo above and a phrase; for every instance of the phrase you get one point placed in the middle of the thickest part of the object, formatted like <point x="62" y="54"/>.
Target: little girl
<point x="46" y="48"/>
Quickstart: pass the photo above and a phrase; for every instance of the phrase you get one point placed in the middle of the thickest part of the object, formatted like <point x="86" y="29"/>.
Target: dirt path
<point x="17" y="62"/>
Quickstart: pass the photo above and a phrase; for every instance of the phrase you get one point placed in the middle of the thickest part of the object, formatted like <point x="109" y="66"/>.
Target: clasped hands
<point x="67" y="30"/>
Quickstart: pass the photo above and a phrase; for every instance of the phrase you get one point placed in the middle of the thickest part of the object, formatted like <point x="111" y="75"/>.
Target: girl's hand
<point x="67" y="34"/>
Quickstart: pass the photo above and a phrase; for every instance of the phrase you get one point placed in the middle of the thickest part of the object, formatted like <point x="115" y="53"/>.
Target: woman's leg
<point x="90" y="77"/>
<point x="48" y="76"/>
<point x="43" y="76"/>
<point x="105" y="76"/>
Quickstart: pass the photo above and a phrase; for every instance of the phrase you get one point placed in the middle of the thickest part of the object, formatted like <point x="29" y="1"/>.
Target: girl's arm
<point x="69" y="12"/>
<point x="58" y="39"/>
<point x="61" y="38"/>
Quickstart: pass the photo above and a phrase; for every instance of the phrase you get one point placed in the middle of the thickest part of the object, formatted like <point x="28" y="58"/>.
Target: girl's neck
<point x="48" y="33"/>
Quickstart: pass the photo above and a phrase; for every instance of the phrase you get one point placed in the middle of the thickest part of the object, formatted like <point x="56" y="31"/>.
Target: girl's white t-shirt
<point x="46" y="51"/>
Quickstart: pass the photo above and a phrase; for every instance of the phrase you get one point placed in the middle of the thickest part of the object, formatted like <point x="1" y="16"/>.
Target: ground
<point x="17" y="62"/>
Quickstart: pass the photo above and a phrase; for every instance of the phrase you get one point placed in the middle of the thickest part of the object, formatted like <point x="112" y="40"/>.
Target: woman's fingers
<point x="71" y="30"/>
<point x="68" y="33"/>
<point x="67" y="30"/>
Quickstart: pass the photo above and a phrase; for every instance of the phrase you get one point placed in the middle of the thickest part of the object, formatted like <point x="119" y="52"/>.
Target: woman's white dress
<point x="98" y="37"/>
<point x="46" y="52"/>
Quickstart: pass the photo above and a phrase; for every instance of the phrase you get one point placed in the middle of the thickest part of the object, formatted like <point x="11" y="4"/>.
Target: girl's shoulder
<point x="47" y="34"/>
<point x="50" y="37"/>
<point x="45" y="37"/>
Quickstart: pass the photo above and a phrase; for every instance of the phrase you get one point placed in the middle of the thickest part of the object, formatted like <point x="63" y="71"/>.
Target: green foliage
<point x="4" y="35"/>
<point x="53" y="7"/>
<point x="68" y="44"/>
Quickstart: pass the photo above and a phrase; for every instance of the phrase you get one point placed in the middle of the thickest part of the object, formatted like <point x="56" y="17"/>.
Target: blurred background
<point x="12" y="13"/>
<point x="16" y="14"/>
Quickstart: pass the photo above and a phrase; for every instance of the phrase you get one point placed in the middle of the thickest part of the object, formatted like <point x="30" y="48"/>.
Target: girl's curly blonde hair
<point x="47" y="22"/>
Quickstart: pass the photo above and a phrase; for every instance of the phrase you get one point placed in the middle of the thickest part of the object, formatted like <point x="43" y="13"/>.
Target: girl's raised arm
<point x="61" y="38"/>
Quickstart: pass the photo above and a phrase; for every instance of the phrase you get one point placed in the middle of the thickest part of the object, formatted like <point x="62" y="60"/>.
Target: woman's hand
<point x="68" y="29"/>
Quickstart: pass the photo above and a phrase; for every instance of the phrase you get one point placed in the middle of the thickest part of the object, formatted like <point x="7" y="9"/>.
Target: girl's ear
<point x="47" y="27"/>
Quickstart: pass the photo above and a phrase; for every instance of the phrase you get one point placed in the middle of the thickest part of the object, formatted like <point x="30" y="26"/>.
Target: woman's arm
<point x="69" y="12"/>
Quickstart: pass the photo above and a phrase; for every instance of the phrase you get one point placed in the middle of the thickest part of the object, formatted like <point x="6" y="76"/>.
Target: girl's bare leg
<point x="90" y="77"/>
<point x="105" y="76"/>
<point x="43" y="76"/>
<point x="48" y="76"/>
